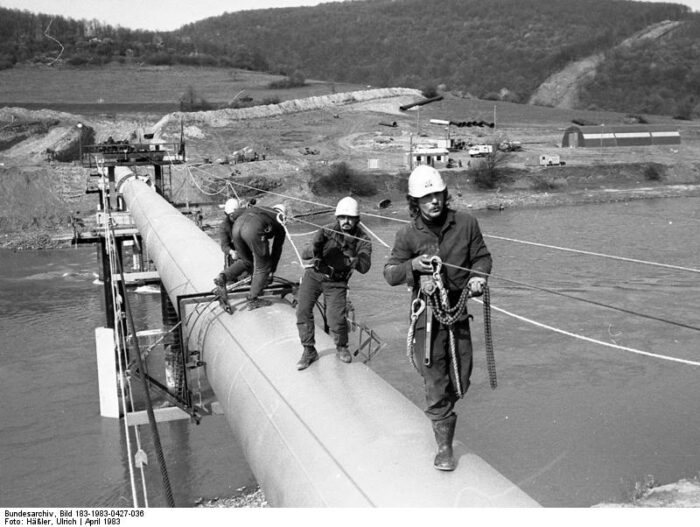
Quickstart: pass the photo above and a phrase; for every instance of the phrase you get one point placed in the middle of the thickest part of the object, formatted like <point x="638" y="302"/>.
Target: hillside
<point x="481" y="47"/>
<point x="563" y="89"/>
<point x="488" y="49"/>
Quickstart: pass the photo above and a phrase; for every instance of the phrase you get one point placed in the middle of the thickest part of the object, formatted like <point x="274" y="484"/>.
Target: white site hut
<point x="429" y="155"/>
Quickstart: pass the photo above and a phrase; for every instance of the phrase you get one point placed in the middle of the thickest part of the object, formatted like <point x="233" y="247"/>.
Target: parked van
<point x="480" y="150"/>
<point x="550" y="160"/>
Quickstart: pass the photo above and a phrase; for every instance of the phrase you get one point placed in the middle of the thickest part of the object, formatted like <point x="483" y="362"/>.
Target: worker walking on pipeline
<point x="252" y="233"/>
<point x="336" y="250"/>
<point x="444" y="247"/>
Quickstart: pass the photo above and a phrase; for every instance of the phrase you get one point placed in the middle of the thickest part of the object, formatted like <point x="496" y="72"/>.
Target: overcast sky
<point x="165" y="15"/>
<point x="161" y="15"/>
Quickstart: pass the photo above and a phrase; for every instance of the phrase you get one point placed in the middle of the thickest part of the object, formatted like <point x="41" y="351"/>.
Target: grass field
<point x="148" y="88"/>
<point x="157" y="89"/>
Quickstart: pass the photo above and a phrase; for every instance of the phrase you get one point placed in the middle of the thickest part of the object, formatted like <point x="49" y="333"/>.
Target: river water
<point x="572" y="422"/>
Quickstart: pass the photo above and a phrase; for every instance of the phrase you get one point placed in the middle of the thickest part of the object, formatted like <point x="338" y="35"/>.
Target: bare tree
<point x="487" y="173"/>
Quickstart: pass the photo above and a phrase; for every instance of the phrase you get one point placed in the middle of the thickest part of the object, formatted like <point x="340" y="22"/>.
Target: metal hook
<point x="436" y="263"/>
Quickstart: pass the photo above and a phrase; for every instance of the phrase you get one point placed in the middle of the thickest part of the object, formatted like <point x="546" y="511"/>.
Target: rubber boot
<point x="222" y="293"/>
<point x="444" y="433"/>
<point x="343" y="354"/>
<point x="310" y="355"/>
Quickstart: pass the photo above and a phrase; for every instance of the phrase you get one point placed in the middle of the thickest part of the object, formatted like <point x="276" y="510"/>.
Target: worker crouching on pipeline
<point x="335" y="252"/>
<point x="253" y="231"/>
<point x="442" y="257"/>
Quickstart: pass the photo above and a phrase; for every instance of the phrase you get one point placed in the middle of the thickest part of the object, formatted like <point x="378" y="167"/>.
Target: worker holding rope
<point x="439" y="341"/>
<point x="335" y="251"/>
<point x="252" y="233"/>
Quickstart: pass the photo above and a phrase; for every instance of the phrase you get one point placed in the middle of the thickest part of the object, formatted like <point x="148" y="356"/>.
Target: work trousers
<point x="439" y="379"/>
<point x="335" y="295"/>
<point x="253" y="249"/>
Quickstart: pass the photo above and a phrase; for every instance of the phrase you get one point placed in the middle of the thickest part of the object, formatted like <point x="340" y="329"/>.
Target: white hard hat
<point x="425" y="180"/>
<point x="231" y="205"/>
<point x="347" y="207"/>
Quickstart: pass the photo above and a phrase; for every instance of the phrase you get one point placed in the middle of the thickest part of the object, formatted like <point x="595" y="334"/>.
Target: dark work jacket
<point x="460" y="243"/>
<point x="225" y="240"/>
<point x="225" y="228"/>
<point x="271" y="229"/>
<point x="334" y="251"/>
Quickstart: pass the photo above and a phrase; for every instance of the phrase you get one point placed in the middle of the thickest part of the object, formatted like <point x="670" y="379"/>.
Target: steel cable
<point x="149" y="405"/>
<point x="600" y="304"/>
<point x="119" y="338"/>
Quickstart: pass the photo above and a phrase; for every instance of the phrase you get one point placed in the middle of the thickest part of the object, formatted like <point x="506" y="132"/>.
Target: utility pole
<point x="80" y="142"/>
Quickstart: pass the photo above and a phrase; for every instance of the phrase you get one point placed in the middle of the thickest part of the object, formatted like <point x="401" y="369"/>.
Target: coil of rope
<point x="433" y="294"/>
<point x="488" y="338"/>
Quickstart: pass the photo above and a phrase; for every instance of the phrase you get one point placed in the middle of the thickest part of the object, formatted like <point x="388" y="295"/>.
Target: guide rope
<point x="595" y="341"/>
<point x="400" y="220"/>
<point x="147" y="394"/>
<point x="590" y="253"/>
<point x="124" y="381"/>
<point x="627" y="311"/>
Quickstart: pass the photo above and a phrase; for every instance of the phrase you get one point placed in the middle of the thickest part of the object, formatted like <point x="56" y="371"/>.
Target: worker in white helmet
<point x="337" y="249"/>
<point x="252" y="232"/>
<point x="439" y="250"/>
<point x="232" y="209"/>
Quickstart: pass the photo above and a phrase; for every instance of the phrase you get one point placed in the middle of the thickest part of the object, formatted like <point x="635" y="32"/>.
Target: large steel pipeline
<point x="334" y="435"/>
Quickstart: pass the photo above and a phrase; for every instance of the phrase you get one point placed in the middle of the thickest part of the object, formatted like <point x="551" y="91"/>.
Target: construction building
<point x="620" y="135"/>
<point x="429" y="155"/>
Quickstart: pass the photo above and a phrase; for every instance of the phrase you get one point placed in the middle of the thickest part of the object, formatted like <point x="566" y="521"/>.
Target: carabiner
<point x="417" y="307"/>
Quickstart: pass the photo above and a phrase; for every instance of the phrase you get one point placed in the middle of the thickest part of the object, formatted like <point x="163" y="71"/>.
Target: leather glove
<point x="233" y="254"/>
<point x="476" y="285"/>
<point x="421" y="264"/>
<point x="351" y="261"/>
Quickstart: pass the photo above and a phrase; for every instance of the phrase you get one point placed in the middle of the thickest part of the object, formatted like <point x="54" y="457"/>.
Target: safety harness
<point x="433" y="299"/>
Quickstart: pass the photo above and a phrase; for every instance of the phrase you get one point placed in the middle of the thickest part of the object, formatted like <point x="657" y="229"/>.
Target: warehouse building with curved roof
<point x="620" y="135"/>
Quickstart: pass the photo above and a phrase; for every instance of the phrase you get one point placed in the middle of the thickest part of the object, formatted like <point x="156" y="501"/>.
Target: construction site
<point x="64" y="183"/>
<point x="378" y="134"/>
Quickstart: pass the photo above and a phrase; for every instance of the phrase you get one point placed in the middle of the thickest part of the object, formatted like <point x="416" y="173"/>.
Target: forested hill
<point x="487" y="48"/>
<point x="478" y="46"/>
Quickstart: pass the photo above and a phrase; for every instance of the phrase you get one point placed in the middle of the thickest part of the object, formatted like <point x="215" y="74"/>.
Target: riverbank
<point x="54" y="236"/>
<point x="683" y="494"/>
<point x="37" y="240"/>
